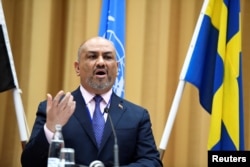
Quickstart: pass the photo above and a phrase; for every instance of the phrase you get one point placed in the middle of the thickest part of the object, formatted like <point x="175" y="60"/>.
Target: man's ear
<point x="77" y="68"/>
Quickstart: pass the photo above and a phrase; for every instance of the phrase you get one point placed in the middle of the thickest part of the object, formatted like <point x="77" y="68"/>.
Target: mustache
<point x="100" y="70"/>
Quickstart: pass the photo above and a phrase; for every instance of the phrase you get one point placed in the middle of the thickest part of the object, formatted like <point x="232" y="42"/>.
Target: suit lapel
<point x="116" y="111"/>
<point x="82" y="114"/>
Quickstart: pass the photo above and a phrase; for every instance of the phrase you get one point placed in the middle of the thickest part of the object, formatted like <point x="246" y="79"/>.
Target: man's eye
<point x="92" y="56"/>
<point x="108" y="56"/>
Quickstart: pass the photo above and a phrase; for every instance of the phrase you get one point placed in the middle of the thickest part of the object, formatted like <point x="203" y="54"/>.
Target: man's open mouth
<point x="101" y="72"/>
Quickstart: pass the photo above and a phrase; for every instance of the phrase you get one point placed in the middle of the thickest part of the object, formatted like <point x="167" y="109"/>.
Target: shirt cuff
<point x="48" y="133"/>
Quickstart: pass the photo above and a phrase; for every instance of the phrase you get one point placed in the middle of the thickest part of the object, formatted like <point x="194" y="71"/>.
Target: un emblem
<point x="120" y="55"/>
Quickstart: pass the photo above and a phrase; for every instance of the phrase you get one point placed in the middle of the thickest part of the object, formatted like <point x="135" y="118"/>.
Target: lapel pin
<point x="120" y="106"/>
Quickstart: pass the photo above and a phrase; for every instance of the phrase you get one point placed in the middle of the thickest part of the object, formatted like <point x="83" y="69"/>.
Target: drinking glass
<point x="67" y="157"/>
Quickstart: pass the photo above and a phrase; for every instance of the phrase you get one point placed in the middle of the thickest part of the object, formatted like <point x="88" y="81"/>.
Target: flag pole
<point x="171" y="118"/>
<point x="23" y="130"/>
<point x="181" y="85"/>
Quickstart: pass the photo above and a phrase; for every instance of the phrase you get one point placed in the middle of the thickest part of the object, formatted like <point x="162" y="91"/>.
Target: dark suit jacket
<point x="132" y="124"/>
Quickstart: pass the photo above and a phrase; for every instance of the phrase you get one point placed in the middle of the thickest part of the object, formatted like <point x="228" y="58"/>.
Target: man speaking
<point x="86" y="127"/>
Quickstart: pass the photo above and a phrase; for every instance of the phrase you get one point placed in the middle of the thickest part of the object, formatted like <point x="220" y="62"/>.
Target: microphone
<point x="96" y="163"/>
<point x="116" y="149"/>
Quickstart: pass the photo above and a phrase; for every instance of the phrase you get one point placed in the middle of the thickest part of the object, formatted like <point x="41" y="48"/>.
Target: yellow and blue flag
<point x="112" y="27"/>
<point x="215" y="69"/>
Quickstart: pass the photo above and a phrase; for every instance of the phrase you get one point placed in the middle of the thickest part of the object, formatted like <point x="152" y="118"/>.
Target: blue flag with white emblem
<point x="112" y="27"/>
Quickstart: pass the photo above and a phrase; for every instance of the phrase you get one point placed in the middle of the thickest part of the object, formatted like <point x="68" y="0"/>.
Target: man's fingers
<point x="70" y="105"/>
<point x="49" y="101"/>
<point x="67" y="105"/>
<point x="59" y="109"/>
<point x="49" y="98"/>
<point x="73" y="106"/>
<point x="64" y="102"/>
<point x="57" y="98"/>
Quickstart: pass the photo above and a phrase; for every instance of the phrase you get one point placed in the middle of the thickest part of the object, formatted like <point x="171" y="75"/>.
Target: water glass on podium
<point x="67" y="157"/>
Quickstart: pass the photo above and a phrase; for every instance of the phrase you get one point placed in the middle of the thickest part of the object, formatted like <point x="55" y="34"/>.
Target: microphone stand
<point x="116" y="148"/>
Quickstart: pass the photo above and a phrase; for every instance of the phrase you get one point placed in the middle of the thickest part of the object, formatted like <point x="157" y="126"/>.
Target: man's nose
<point x="100" y="60"/>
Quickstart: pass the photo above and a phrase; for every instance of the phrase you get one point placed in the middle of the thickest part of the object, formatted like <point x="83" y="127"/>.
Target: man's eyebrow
<point x="91" y="51"/>
<point x="108" y="52"/>
<point x="95" y="52"/>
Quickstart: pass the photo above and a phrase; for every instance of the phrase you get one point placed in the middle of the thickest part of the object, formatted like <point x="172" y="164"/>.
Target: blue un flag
<point x="112" y="27"/>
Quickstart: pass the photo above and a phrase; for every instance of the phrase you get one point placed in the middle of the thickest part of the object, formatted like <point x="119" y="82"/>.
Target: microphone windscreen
<point x="106" y="110"/>
<point x="96" y="163"/>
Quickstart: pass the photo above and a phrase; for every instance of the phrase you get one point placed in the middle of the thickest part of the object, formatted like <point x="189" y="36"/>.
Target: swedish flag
<point x="215" y="69"/>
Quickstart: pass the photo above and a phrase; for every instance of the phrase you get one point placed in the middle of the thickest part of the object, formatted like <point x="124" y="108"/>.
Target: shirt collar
<point x="89" y="96"/>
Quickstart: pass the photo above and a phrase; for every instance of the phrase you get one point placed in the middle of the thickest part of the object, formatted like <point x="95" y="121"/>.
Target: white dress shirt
<point x="90" y="103"/>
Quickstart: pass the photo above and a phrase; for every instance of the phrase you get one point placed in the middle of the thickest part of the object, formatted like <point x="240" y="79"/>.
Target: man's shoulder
<point x="130" y="105"/>
<point x="133" y="104"/>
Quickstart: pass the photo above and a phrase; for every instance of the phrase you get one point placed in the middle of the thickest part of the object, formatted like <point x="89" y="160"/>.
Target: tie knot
<point x="98" y="98"/>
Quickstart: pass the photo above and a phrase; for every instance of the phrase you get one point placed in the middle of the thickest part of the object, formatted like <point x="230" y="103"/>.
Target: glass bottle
<point x="56" y="144"/>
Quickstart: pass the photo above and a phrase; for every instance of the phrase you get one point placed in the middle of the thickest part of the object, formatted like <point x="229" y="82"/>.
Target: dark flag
<point x="8" y="79"/>
<point x="6" y="76"/>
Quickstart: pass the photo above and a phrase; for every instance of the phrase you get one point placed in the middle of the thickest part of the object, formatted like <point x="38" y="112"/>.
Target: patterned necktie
<point x="98" y="121"/>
